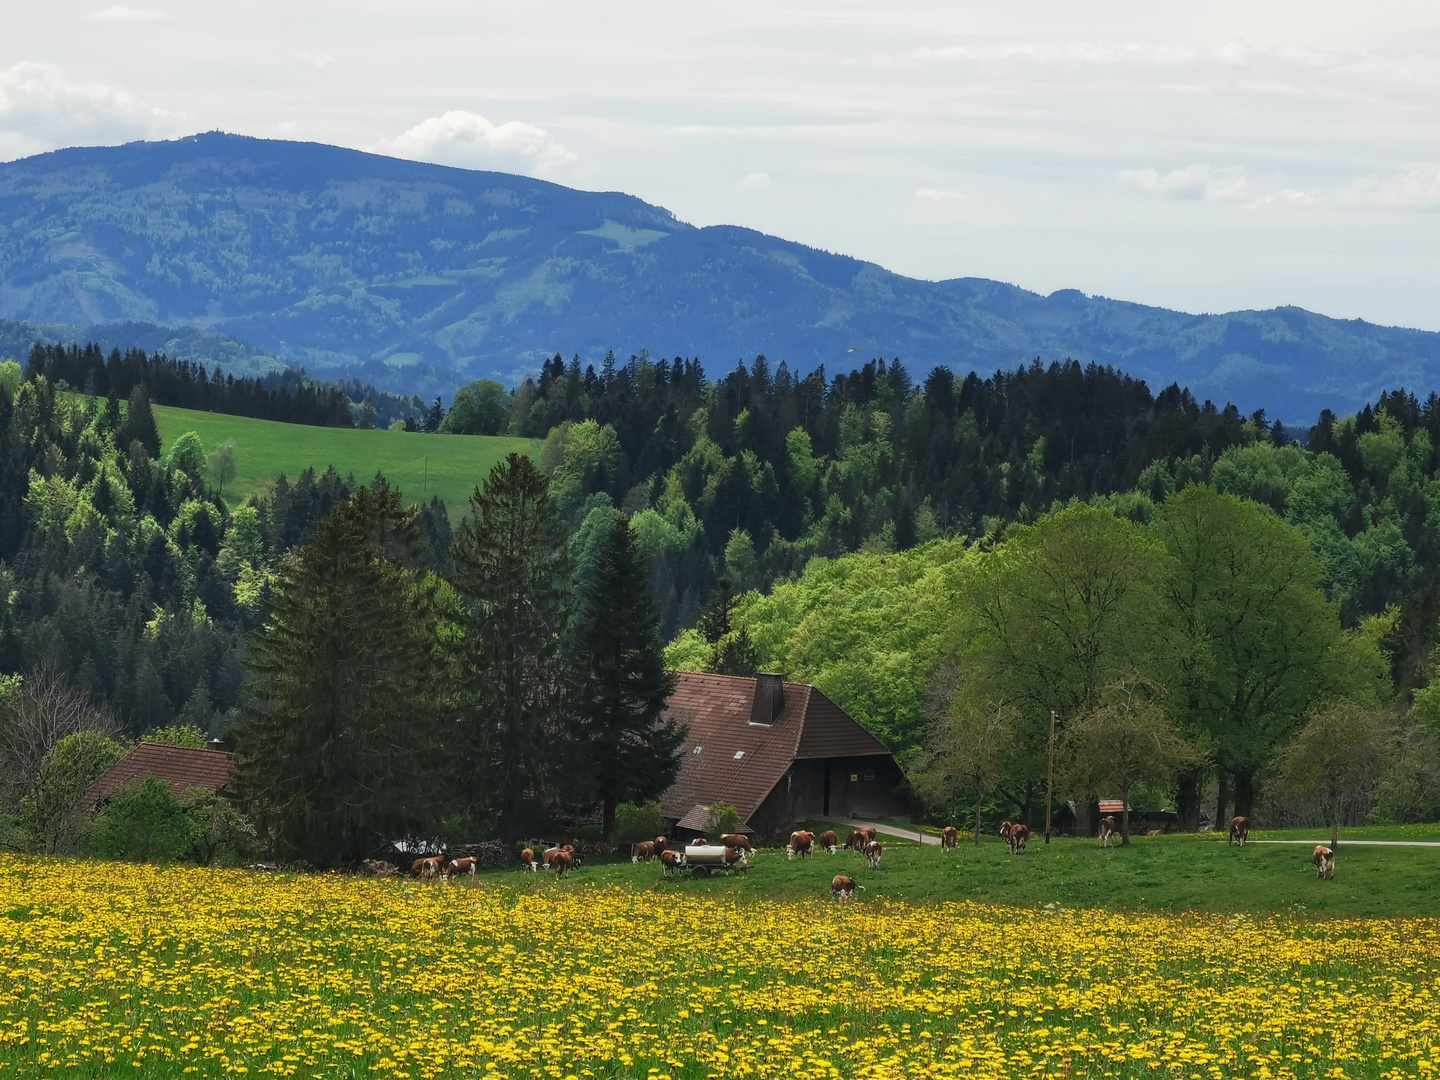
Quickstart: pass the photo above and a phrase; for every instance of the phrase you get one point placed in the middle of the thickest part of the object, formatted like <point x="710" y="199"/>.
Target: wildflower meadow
<point x="110" y="969"/>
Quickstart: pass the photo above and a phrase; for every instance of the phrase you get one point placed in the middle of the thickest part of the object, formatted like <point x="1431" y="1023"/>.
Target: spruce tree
<point x="512" y="571"/>
<point x="338" y="749"/>
<point x="731" y="651"/>
<point x="140" y="423"/>
<point x="632" y="748"/>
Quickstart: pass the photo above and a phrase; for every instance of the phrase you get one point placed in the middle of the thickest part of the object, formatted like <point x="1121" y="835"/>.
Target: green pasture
<point x="1172" y="874"/>
<point x="422" y="466"/>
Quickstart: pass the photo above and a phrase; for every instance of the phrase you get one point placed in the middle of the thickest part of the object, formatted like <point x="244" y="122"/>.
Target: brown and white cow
<point x="829" y="841"/>
<point x="802" y="843"/>
<point x="736" y="840"/>
<point x="657" y="846"/>
<point x="1015" y="835"/>
<point x="644" y="851"/>
<point x="735" y="858"/>
<point x="528" y="860"/>
<point x="856" y="840"/>
<point x="873" y="851"/>
<point x="568" y="851"/>
<point x="669" y="862"/>
<point x="1107" y="831"/>
<point x="843" y="888"/>
<point x="429" y="868"/>
<point x="562" y="862"/>
<point x="949" y="837"/>
<point x="1324" y="860"/>
<point x="1239" y="831"/>
<point x="456" y="867"/>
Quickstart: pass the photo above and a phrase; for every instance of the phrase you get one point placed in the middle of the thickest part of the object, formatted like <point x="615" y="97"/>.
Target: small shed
<point x="179" y="766"/>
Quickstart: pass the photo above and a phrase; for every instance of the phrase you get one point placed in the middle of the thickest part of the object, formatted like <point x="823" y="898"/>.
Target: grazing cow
<point x="843" y="888"/>
<point x="949" y="836"/>
<point x="736" y="840"/>
<point x="568" y="851"/>
<point x="657" y="846"/>
<point x="643" y="850"/>
<point x="855" y="841"/>
<point x="427" y="869"/>
<point x="801" y="843"/>
<point x="456" y="867"/>
<point x="735" y="858"/>
<point x="1015" y="835"/>
<point x="528" y="860"/>
<point x="562" y="863"/>
<point x="1324" y="860"/>
<point x="378" y="868"/>
<point x="829" y="841"/>
<point x="873" y="851"/>
<point x="1107" y="831"/>
<point x="669" y="862"/>
<point x="1239" y="831"/>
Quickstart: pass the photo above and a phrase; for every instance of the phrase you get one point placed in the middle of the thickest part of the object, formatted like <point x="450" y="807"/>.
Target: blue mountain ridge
<point x="341" y="261"/>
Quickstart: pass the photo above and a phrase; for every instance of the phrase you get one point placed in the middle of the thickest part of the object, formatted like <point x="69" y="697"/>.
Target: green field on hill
<point x="1195" y="872"/>
<point x="449" y="466"/>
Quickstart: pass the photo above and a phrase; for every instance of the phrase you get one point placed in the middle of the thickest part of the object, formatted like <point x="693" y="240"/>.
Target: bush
<point x="215" y="825"/>
<point x="143" y="821"/>
<point x="591" y="834"/>
<point x="723" y="819"/>
<point x="634" y="824"/>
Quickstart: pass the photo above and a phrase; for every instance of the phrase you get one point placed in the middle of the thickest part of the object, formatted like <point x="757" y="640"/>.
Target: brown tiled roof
<point x="729" y="758"/>
<point x="178" y="766"/>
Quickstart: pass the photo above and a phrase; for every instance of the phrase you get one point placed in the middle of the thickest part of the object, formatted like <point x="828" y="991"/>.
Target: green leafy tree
<point x="190" y="737"/>
<point x="48" y="810"/>
<point x="142" y="820"/>
<point x="482" y="408"/>
<point x="633" y="749"/>
<point x="512" y="571"/>
<point x="967" y="753"/>
<point x="634" y="824"/>
<point x="1125" y="741"/>
<point x="1335" y="760"/>
<point x="223" y="465"/>
<point x="1255" y="642"/>
<point x="215" y="824"/>
<point x="339" y="744"/>
<point x="723" y="819"/>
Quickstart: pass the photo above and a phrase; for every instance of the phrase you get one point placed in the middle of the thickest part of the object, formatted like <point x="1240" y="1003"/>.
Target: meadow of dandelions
<point x="121" y="970"/>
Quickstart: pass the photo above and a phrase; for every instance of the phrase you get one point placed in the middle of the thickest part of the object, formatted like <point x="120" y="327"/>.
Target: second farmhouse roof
<point x="179" y="766"/>
<point x="745" y="733"/>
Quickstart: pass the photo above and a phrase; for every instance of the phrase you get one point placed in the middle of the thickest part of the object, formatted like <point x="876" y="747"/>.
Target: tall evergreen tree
<point x="512" y="571"/>
<point x="633" y="749"/>
<point x="140" y="423"/>
<point x="338" y="747"/>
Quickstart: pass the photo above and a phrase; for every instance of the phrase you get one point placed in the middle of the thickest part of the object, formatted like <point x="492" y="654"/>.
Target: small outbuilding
<point x="179" y="766"/>
<point x="779" y="752"/>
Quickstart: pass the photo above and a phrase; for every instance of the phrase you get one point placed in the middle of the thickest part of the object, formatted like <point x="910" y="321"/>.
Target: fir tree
<point x="338" y="747"/>
<point x="633" y="750"/>
<point x="731" y="651"/>
<point x="512" y="570"/>
<point x="140" y="423"/>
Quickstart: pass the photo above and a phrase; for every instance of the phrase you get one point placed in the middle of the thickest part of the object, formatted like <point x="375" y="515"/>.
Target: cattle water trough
<point x="704" y="860"/>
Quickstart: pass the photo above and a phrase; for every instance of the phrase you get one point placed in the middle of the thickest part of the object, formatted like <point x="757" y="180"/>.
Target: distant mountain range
<point x="419" y="276"/>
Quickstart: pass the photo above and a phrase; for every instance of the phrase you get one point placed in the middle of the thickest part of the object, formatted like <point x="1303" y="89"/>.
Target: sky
<point x="1203" y="156"/>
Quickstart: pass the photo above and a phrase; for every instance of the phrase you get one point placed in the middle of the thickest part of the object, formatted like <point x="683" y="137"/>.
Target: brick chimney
<point x="769" y="699"/>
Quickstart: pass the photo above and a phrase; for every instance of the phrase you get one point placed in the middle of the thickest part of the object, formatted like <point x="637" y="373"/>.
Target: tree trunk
<point x="1222" y="800"/>
<point x="1187" y="800"/>
<point x="1124" y="816"/>
<point x="977" y="817"/>
<point x="1335" y="833"/>
<point x="609" y="825"/>
<point x="1245" y="793"/>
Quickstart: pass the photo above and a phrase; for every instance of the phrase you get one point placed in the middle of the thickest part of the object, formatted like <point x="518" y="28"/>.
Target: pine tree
<point x="338" y="748"/>
<point x="140" y="423"/>
<point x="512" y="571"/>
<point x="633" y="749"/>
<point x="731" y="651"/>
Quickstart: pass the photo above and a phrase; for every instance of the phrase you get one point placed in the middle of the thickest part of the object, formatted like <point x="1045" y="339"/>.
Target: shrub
<point x="215" y="825"/>
<point x="143" y="821"/>
<point x="66" y="772"/>
<point x="592" y="833"/>
<point x="723" y="819"/>
<point x="634" y="824"/>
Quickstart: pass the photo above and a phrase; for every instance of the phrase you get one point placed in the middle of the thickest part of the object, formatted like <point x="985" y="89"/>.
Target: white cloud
<point x="42" y="108"/>
<point x="1197" y="182"/>
<point x="939" y="195"/>
<point x="757" y="181"/>
<point x="1414" y="189"/>
<point x="121" y="13"/>
<point x="470" y="141"/>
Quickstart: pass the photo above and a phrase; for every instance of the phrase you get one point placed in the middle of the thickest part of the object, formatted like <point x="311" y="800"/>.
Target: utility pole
<point x="426" y="486"/>
<point x="1050" y="777"/>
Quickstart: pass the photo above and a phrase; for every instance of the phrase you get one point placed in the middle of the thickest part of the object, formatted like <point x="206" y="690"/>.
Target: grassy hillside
<point x="264" y="449"/>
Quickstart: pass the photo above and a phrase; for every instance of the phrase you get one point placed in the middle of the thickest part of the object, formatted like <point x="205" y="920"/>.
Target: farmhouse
<point x="179" y="766"/>
<point x="779" y="752"/>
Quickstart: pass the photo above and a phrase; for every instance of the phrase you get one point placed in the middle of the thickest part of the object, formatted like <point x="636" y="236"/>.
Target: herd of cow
<point x="738" y="850"/>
